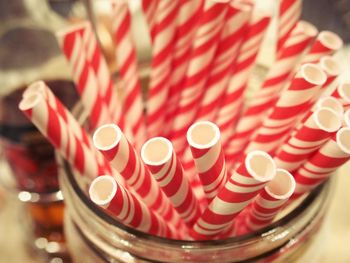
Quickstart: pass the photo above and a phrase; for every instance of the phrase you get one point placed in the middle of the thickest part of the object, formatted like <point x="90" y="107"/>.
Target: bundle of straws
<point x="242" y="162"/>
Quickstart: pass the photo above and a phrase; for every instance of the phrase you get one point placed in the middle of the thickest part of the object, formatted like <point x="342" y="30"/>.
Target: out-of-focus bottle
<point x="29" y="52"/>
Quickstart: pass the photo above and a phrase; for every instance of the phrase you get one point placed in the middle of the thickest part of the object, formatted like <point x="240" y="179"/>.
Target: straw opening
<point x="313" y="74"/>
<point x="156" y="151"/>
<point x="107" y="136"/>
<point x="327" y="119"/>
<point x="330" y="65"/>
<point x="343" y="139"/>
<point x="331" y="103"/>
<point x="260" y="165"/>
<point x="282" y="186"/>
<point x="330" y="40"/>
<point x="35" y="87"/>
<point x="30" y="101"/>
<point x="203" y="134"/>
<point x="344" y="91"/>
<point x="102" y="190"/>
<point x="307" y="28"/>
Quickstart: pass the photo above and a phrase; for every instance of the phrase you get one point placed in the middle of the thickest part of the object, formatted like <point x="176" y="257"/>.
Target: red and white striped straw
<point x="288" y="16"/>
<point x="55" y="103"/>
<point x="205" y="144"/>
<point x="268" y="203"/>
<point x="312" y="134"/>
<point x="186" y="26"/>
<point x="104" y="191"/>
<point x="71" y="124"/>
<point x="126" y="59"/>
<point x="342" y="93"/>
<point x="325" y="44"/>
<point x="245" y="183"/>
<point x="113" y="144"/>
<point x="84" y="77"/>
<point x="231" y="38"/>
<point x="53" y="127"/>
<point x="276" y="78"/>
<point x="161" y="70"/>
<point x="203" y="50"/>
<point x="332" y="68"/>
<point x="100" y="67"/>
<point x="322" y="164"/>
<point x="292" y="103"/>
<point x="159" y="156"/>
<point x="232" y="101"/>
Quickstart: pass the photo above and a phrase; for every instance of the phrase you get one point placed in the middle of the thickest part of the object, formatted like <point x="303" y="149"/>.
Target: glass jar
<point x="95" y="236"/>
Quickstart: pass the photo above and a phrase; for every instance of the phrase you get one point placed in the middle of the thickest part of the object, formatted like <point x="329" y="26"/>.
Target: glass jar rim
<point x="104" y="216"/>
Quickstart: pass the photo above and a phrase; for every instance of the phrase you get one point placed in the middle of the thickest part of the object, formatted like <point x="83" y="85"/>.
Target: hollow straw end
<point x="102" y="190"/>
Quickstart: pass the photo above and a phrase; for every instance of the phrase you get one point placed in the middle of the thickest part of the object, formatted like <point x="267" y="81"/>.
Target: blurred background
<point x="31" y="204"/>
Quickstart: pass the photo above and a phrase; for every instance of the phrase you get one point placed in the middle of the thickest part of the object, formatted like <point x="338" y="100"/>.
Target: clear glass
<point x="95" y="236"/>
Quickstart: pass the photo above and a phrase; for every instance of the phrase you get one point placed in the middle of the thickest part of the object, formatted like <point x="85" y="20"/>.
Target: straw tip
<point x="156" y="151"/>
<point x="343" y="139"/>
<point x="313" y="74"/>
<point x="35" y="87"/>
<point x="107" y="136"/>
<point x="330" y="65"/>
<point x="260" y="165"/>
<point x="203" y="134"/>
<point x="282" y="186"/>
<point x="331" y="40"/>
<point x="307" y="28"/>
<point x="30" y="101"/>
<point x="102" y="190"/>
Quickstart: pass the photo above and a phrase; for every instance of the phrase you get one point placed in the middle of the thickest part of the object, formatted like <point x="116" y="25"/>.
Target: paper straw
<point x="237" y="18"/>
<point x="205" y="144"/>
<point x="94" y="106"/>
<point x="330" y="103"/>
<point x="203" y="51"/>
<point x="55" y="103"/>
<point x="159" y="84"/>
<point x="269" y="202"/>
<point x="104" y="191"/>
<point x="288" y="16"/>
<point x="53" y="127"/>
<point x="233" y="98"/>
<point x="326" y="43"/>
<point x="292" y="103"/>
<point x="110" y="140"/>
<point x="159" y="156"/>
<point x="186" y="26"/>
<point x="342" y="93"/>
<point x="324" y="102"/>
<point x="325" y="162"/>
<point x="276" y="78"/>
<point x="100" y="67"/>
<point x="245" y="183"/>
<point x="312" y="134"/>
<point x="127" y="67"/>
<point x="332" y="68"/>
<point x="71" y="124"/>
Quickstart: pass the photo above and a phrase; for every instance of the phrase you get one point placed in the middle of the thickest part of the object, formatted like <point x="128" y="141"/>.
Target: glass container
<point x="95" y="236"/>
